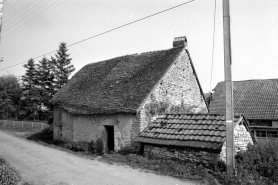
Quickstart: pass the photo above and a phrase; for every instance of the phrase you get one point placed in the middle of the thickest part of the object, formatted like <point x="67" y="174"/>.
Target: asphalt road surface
<point x="41" y="165"/>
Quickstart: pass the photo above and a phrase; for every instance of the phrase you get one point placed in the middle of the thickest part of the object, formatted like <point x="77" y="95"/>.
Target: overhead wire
<point x="28" y="23"/>
<point x="19" y="27"/>
<point x="213" y="43"/>
<point x="113" y="29"/>
<point x="16" y="21"/>
<point x="18" y="12"/>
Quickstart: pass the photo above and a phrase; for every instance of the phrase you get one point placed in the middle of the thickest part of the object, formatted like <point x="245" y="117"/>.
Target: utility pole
<point x="230" y="157"/>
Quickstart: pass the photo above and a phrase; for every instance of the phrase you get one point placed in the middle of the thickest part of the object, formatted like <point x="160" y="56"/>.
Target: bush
<point x="131" y="149"/>
<point x="8" y="175"/>
<point x="99" y="146"/>
<point x="46" y="135"/>
<point x="257" y="165"/>
<point x="92" y="147"/>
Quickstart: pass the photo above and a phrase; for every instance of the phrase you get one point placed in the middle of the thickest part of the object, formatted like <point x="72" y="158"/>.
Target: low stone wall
<point x="23" y="124"/>
<point x="181" y="154"/>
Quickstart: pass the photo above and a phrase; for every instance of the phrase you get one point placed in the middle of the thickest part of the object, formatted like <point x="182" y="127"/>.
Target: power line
<point x="97" y="35"/>
<point x="19" y="26"/>
<point x="213" y="38"/>
<point x="19" y="11"/>
<point x="19" y="29"/>
<point x="23" y="17"/>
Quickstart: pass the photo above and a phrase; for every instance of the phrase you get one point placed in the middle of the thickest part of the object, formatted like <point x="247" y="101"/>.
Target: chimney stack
<point x="180" y="42"/>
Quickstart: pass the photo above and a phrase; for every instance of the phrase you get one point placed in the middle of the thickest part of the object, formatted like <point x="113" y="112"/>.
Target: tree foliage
<point x="32" y="97"/>
<point x="30" y="89"/>
<point x="63" y="66"/>
<point x="10" y="94"/>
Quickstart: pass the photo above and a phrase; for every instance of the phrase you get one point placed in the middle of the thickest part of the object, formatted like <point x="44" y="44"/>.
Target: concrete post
<point x="230" y="161"/>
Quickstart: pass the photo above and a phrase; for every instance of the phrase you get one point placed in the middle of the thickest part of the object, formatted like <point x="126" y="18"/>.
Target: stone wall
<point x="184" y="154"/>
<point x="241" y="138"/>
<point x="178" y="86"/>
<point x="85" y="128"/>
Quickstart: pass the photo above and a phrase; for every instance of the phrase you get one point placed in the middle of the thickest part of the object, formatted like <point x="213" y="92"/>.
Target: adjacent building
<point x="257" y="100"/>
<point x="194" y="137"/>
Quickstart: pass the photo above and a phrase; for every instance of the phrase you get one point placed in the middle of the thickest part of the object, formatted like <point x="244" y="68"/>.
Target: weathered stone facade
<point x="241" y="138"/>
<point x="178" y="86"/>
<point x="184" y="154"/>
<point x="85" y="128"/>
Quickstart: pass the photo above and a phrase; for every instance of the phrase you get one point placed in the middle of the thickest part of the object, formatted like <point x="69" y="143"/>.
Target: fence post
<point x="22" y="124"/>
<point x="13" y="123"/>
<point x="42" y="126"/>
<point x="5" y="123"/>
<point x="32" y="124"/>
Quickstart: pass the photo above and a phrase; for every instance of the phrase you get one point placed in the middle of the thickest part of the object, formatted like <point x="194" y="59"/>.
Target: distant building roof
<point x="206" y="131"/>
<point x="255" y="99"/>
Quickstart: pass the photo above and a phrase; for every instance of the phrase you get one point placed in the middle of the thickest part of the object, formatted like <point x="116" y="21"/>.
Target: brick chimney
<point x="180" y="42"/>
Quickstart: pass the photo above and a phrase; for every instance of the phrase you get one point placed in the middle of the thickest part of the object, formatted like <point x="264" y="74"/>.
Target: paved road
<point x="41" y="165"/>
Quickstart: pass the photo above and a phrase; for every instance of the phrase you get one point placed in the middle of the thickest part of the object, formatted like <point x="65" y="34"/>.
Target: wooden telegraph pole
<point x="230" y="157"/>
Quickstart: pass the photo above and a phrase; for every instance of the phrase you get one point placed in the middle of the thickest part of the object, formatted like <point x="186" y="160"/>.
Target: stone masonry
<point x="180" y="153"/>
<point x="177" y="86"/>
<point x="241" y="138"/>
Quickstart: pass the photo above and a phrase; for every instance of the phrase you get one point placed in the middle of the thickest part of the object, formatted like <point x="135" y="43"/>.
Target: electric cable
<point x="213" y="39"/>
<point x="22" y="17"/>
<point x="19" y="12"/>
<point x="11" y="34"/>
<point x="113" y="29"/>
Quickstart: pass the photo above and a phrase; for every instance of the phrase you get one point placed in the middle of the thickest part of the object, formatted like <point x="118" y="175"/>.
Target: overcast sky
<point x="34" y="27"/>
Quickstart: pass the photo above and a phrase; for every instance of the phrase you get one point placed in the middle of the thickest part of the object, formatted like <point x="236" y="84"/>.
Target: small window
<point x="261" y="123"/>
<point x="272" y="134"/>
<point x="261" y="133"/>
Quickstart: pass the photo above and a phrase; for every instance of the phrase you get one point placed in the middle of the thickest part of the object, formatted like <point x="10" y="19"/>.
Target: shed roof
<point x="117" y="85"/>
<point x="205" y="131"/>
<point x="255" y="99"/>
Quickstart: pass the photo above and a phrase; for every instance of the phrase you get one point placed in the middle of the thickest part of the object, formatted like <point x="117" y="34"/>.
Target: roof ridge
<point x="251" y="80"/>
<point x="134" y="54"/>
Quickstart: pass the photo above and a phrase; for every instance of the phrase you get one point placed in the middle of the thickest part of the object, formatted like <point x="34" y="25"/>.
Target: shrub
<point x="46" y="135"/>
<point x="92" y="147"/>
<point x="8" y="175"/>
<point x="99" y="146"/>
<point x="131" y="149"/>
<point x="257" y="165"/>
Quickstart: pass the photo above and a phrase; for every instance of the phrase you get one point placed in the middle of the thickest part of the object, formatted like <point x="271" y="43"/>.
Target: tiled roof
<point x="207" y="131"/>
<point x="255" y="99"/>
<point x="117" y="85"/>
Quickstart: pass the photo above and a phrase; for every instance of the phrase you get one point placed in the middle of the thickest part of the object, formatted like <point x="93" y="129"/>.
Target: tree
<point x="30" y="85"/>
<point x="46" y="90"/>
<point x="63" y="66"/>
<point x="46" y="81"/>
<point x="10" y="94"/>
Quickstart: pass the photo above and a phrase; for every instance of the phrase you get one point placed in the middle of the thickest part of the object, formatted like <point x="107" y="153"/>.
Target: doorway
<point x="110" y="138"/>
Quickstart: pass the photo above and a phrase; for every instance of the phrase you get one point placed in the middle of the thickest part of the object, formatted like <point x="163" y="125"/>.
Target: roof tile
<point x="204" y="131"/>
<point x="255" y="99"/>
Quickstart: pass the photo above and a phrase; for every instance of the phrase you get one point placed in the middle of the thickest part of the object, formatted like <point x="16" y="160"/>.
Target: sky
<point x="32" y="28"/>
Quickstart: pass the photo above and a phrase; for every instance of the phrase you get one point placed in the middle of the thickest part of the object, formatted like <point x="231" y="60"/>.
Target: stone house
<point x="111" y="99"/>
<point x="195" y="137"/>
<point x="257" y="100"/>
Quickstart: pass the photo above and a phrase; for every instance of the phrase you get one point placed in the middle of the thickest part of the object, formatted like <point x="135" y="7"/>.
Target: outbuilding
<point x="110" y="100"/>
<point x="194" y="137"/>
